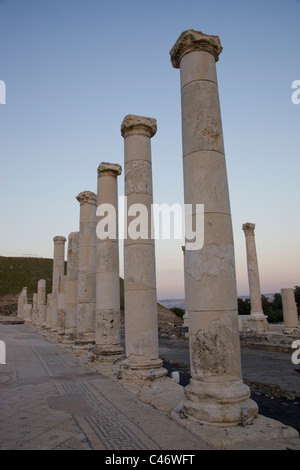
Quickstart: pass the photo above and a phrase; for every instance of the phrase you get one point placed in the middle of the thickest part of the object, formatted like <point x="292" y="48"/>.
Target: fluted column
<point x="108" y="328"/>
<point x="86" y="269"/>
<point x="257" y="318"/>
<point x="141" y="325"/>
<point x="216" y="394"/>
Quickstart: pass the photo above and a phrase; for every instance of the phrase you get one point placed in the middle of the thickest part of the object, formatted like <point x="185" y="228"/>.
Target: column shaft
<point x="72" y="286"/>
<point x="108" y="328"/>
<point x="257" y="318"/>
<point x="141" y="325"/>
<point x="216" y="393"/>
<point x="86" y="269"/>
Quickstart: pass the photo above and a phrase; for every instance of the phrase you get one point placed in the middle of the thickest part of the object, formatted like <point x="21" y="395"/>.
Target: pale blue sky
<point x="74" y="68"/>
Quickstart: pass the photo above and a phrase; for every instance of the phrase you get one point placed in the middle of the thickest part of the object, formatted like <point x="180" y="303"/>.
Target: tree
<point x="244" y="306"/>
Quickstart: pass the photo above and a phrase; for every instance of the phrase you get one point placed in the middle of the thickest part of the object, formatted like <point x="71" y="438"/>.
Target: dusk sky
<point x="73" y="69"/>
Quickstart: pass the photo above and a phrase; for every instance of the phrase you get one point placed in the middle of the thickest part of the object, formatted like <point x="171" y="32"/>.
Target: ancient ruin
<point x="83" y="309"/>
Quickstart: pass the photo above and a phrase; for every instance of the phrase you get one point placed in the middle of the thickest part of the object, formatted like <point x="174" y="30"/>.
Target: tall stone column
<point x="290" y="312"/>
<point x="58" y="272"/>
<point x="186" y="315"/>
<point x="72" y="286"/>
<point x="61" y="306"/>
<point x="42" y="308"/>
<point x="141" y="325"/>
<point x="108" y="328"/>
<point x="257" y="318"/>
<point x="216" y="394"/>
<point x="86" y="269"/>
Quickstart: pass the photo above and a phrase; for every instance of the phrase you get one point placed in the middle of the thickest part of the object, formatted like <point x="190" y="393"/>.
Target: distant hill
<point x="19" y="272"/>
<point x="16" y="273"/>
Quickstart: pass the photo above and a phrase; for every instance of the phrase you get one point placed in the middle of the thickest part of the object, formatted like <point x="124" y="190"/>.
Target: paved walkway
<point x="270" y="372"/>
<point x="51" y="400"/>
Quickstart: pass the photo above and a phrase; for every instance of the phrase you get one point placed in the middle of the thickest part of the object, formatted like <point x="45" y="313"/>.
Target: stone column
<point x="185" y="325"/>
<point x="41" y="292"/>
<point x="257" y="318"/>
<point x="290" y="312"/>
<point x="72" y="286"/>
<point x="58" y="272"/>
<point x="21" y="302"/>
<point x="86" y="269"/>
<point x="34" y="313"/>
<point x="61" y="306"/>
<point x="108" y="328"/>
<point x="216" y="394"/>
<point x="141" y="325"/>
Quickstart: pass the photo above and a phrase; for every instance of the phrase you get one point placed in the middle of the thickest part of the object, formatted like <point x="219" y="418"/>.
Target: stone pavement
<point x="270" y="372"/>
<point x="50" y="399"/>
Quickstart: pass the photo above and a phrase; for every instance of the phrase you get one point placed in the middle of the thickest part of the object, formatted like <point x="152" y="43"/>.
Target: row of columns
<point x="216" y="394"/>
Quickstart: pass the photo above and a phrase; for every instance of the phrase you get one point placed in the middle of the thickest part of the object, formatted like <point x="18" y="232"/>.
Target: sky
<point x="73" y="69"/>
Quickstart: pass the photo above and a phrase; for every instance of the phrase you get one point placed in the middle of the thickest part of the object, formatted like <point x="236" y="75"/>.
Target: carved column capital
<point x="190" y="41"/>
<point x="138" y="125"/>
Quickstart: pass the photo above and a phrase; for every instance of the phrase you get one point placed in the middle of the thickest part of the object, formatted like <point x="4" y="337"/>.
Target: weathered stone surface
<point x="141" y="326"/>
<point x="216" y="393"/>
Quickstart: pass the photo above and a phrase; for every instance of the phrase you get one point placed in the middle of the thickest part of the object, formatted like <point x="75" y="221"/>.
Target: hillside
<point x="19" y="272"/>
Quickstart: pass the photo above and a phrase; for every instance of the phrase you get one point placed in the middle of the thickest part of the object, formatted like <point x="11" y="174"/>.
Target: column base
<point x="108" y="353"/>
<point x="143" y="370"/>
<point x="83" y="344"/>
<point x="219" y="403"/>
<point x="291" y="331"/>
<point x="258" y="322"/>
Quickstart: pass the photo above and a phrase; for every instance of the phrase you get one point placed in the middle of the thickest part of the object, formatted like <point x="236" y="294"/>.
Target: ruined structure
<point x="216" y="394"/>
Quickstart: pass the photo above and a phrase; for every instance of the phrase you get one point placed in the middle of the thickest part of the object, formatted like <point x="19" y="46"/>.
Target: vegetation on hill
<point x="273" y="309"/>
<point x="16" y="273"/>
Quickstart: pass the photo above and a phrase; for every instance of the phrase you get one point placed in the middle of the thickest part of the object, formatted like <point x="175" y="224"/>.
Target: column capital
<point x="114" y="168"/>
<point x="190" y="41"/>
<point x="138" y="125"/>
<point x="248" y="228"/>
<point x="87" y="197"/>
<point x="59" y="239"/>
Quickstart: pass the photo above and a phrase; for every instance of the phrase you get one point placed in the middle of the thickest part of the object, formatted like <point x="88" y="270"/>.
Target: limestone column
<point x="58" y="272"/>
<point x="141" y="325"/>
<point x="41" y="292"/>
<point x="72" y="286"/>
<point x="186" y="315"/>
<point x="257" y="317"/>
<point x="86" y="269"/>
<point x="216" y="394"/>
<point x="108" y="328"/>
<point x="61" y="306"/>
<point x="290" y="312"/>
<point x="22" y="301"/>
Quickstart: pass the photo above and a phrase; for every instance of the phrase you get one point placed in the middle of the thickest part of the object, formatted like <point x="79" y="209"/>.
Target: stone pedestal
<point x="58" y="272"/>
<point x="141" y="326"/>
<point x="72" y="286"/>
<point x="257" y="320"/>
<point x="108" y="330"/>
<point x="86" y="269"/>
<point x="290" y="312"/>
<point x="216" y="394"/>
